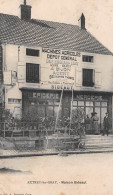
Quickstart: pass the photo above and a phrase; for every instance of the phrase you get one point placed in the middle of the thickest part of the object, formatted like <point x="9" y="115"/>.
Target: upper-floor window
<point x="32" y="73"/>
<point x="87" y="58"/>
<point x="88" y="77"/>
<point x="14" y="101"/>
<point x="32" y="52"/>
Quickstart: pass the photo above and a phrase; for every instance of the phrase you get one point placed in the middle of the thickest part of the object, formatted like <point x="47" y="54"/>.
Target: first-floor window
<point x="32" y="73"/>
<point x="14" y="101"/>
<point x="88" y="79"/>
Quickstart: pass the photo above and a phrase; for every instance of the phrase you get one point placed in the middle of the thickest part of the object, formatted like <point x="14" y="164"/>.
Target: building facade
<point x="43" y="62"/>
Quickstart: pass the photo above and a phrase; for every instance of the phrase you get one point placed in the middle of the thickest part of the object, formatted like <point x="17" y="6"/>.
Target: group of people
<point x="92" y="124"/>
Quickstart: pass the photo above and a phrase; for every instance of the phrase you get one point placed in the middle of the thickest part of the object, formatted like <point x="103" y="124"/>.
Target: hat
<point x="106" y="113"/>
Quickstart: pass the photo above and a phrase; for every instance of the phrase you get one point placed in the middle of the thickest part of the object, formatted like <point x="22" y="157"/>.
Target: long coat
<point x="95" y="124"/>
<point x="106" y="122"/>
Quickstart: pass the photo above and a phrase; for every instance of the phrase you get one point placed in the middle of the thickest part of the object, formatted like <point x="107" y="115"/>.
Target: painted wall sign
<point x="61" y="67"/>
<point x="39" y="95"/>
<point x="60" y="87"/>
<point x="88" y="97"/>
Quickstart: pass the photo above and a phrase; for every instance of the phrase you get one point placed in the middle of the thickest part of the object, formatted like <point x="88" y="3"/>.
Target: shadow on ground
<point x="10" y="171"/>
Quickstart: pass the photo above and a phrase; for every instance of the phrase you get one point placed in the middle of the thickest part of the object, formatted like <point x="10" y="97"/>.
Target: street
<point x="58" y="175"/>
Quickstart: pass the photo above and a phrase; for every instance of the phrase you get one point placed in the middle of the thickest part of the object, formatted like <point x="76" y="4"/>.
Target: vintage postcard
<point x="56" y="97"/>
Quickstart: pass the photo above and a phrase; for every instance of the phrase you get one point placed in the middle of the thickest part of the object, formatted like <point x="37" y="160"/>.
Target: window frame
<point x="88" y="58"/>
<point x="31" y="78"/>
<point x="32" y="50"/>
<point x="90" y="84"/>
<point x="14" y="101"/>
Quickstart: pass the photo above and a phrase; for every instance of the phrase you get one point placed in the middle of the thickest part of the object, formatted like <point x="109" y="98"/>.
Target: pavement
<point x="25" y="176"/>
<point x="16" y="153"/>
<point x="94" y="144"/>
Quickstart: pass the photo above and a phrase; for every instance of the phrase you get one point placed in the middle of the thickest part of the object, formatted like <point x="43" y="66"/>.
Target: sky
<point x="98" y="14"/>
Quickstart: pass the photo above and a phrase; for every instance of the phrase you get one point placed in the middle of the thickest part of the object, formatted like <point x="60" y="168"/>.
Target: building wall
<point x="12" y="92"/>
<point x="58" y="69"/>
<point x="1" y="71"/>
<point x="1" y="82"/>
<point x="51" y="72"/>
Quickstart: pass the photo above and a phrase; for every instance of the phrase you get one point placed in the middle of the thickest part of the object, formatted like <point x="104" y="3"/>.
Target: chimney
<point x="25" y="11"/>
<point x="81" y="22"/>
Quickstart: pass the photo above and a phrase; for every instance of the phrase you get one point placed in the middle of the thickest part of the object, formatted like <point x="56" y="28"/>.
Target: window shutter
<point x="45" y="74"/>
<point x="88" y="77"/>
<point x="7" y="78"/>
<point x="98" y="78"/>
<point x="21" y="72"/>
<point x="78" y="77"/>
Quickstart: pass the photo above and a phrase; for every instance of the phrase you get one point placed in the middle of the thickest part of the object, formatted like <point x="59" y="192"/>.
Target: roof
<point x="42" y="33"/>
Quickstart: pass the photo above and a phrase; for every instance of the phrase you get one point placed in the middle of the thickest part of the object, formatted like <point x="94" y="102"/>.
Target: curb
<point x="63" y="153"/>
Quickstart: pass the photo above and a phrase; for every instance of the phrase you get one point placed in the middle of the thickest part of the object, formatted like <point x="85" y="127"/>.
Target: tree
<point x="77" y="121"/>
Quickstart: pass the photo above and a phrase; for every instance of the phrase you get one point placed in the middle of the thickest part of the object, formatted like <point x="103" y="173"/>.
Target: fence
<point x="34" y="129"/>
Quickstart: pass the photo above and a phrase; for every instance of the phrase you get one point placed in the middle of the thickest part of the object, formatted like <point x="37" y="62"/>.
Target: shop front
<point x="94" y="102"/>
<point x="43" y="104"/>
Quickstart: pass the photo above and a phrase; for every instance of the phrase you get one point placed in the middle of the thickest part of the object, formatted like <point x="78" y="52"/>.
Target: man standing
<point x="106" y="124"/>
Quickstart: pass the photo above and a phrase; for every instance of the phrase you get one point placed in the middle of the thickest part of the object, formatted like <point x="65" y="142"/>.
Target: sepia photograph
<point x="56" y="97"/>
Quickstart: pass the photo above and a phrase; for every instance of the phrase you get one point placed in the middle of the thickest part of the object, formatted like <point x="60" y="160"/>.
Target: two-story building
<point x="41" y="59"/>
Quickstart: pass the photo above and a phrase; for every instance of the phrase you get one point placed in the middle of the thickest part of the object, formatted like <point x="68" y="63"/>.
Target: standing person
<point x="106" y="124"/>
<point x="87" y="124"/>
<point x="95" y="123"/>
<point x="91" y="123"/>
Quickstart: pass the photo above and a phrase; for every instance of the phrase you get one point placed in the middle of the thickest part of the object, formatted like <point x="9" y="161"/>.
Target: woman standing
<point x="95" y="119"/>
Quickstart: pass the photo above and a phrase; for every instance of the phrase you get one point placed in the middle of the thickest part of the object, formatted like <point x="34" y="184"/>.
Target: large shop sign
<point x="61" y="67"/>
<point x="90" y="97"/>
<point x="41" y="95"/>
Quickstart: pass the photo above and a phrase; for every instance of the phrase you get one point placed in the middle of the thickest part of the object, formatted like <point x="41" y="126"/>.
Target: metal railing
<point x="34" y="129"/>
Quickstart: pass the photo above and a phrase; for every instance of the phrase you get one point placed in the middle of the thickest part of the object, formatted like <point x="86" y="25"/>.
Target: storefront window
<point x="74" y="103"/>
<point x="80" y="103"/>
<point x="49" y="102"/>
<point x="41" y="111"/>
<point x="97" y="103"/>
<point x="56" y="109"/>
<point x="103" y="111"/>
<point x="56" y="102"/>
<point x="74" y="109"/>
<point x="98" y="113"/>
<point x="103" y="104"/>
<point x="49" y="111"/>
<point x="89" y="110"/>
<point x="43" y="104"/>
<point x="89" y="103"/>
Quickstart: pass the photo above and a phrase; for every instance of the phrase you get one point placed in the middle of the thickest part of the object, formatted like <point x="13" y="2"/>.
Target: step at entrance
<point x="99" y="141"/>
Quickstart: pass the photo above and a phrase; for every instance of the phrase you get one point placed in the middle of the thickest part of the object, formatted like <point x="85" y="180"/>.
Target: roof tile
<point x="48" y="34"/>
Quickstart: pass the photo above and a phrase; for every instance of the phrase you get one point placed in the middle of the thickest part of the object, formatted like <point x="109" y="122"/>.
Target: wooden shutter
<point x="21" y="72"/>
<point x="78" y="77"/>
<point x="88" y="77"/>
<point x="45" y="74"/>
<point x="98" y="78"/>
<point x="7" y="78"/>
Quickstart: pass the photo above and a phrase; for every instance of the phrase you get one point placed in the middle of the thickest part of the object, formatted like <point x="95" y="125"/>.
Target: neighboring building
<point x="38" y="59"/>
